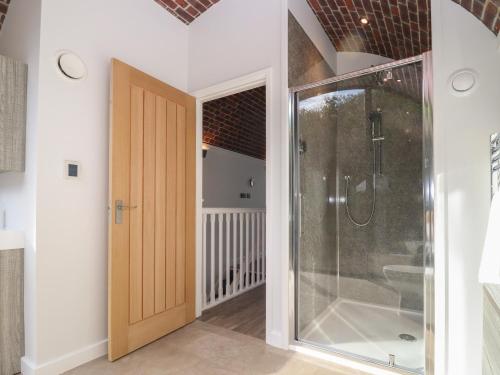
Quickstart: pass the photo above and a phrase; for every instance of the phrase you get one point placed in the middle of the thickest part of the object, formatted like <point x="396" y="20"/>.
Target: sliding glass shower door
<point x="359" y="238"/>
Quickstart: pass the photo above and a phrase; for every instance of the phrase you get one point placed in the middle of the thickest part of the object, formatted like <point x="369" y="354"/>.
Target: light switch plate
<point x="72" y="170"/>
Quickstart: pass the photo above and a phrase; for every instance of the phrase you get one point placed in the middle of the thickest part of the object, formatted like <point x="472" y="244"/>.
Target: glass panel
<point x="360" y="275"/>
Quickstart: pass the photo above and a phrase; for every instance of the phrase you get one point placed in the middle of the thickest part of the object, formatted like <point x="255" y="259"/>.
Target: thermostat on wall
<point x="72" y="169"/>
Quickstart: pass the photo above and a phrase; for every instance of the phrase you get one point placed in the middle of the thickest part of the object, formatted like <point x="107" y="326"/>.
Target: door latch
<point x="119" y="208"/>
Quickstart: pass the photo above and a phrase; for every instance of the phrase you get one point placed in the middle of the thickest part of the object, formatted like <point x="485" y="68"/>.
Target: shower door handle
<point x="300" y="215"/>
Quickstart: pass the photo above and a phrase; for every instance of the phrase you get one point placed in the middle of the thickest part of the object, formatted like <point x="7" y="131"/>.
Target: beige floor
<point x="204" y="349"/>
<point x="244" y="314"/>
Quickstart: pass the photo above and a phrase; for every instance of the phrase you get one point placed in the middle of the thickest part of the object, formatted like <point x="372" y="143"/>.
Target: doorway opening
<point x="233" y="210"/>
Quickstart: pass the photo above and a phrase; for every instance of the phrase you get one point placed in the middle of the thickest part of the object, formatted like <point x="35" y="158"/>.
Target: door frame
<point x="226" y="88"/>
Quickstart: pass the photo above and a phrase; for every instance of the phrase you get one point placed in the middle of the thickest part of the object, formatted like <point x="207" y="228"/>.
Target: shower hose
<point x="374" y="186"/>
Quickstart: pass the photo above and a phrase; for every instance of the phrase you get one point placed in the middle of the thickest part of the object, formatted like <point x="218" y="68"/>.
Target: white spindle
<point x="241" y="252"/>
<point x="264" y="265"/>
<point x="212" y="258"/>
<point x="247" y="249"/>
<point x="252" y="224"/>
<point x="235" y="221"/>
<point x="220" y="254"/>
<point x="204" y="261"/>
<point x="258" y="248"/>
<point x="228" y="260"/>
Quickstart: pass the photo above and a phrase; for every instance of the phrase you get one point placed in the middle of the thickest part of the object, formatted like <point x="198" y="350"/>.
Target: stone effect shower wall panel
<point x="394" y="237"/>
<point x="305" y="62"/>
<point x="318" y="257"/>
<point x="318" y="242"/>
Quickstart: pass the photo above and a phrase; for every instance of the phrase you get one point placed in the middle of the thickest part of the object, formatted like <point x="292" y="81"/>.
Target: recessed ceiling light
<point x="364" y="20"/>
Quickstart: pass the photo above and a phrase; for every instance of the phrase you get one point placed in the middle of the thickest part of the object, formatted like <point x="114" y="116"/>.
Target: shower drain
<point x="407" y="337"/>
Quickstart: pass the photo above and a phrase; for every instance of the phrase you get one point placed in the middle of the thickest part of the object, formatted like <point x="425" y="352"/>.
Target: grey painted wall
<point x="226" y="174"/>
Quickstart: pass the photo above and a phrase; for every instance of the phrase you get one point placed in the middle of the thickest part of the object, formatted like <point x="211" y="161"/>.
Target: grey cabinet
<point x="11" y="311"/>
<point x="13" y="83"/>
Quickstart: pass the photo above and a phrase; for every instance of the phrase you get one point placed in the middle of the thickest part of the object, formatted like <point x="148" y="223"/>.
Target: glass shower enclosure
<point x="361" y="184"/>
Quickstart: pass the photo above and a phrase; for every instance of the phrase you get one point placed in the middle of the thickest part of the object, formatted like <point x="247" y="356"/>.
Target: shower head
<point x="384" y="76"/>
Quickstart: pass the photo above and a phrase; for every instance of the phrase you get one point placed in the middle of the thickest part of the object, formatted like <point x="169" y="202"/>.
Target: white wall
<point x="232" y="39"/>
<point x="462" y="129"/>
<point x="352" y="61"/>
<point x="20" y="39"/>
<point x="305" y="16"/>
<point x="226" y="174"/>
<point x="72" y="215"/>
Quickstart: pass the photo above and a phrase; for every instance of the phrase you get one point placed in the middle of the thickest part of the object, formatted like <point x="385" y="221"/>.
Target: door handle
<point x="122" y="207"/>
<point x="119" y="208"/>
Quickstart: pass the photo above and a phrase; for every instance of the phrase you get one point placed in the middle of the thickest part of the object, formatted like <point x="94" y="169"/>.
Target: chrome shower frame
<point x="428" y="198"/>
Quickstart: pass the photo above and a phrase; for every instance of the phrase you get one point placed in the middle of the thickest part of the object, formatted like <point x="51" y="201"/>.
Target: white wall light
<point x="71" y="66"/>
<point x="463" y="82"/>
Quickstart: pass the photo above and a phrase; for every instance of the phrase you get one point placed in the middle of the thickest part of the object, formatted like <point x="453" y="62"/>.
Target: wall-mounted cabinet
<point x="13" y="82"/>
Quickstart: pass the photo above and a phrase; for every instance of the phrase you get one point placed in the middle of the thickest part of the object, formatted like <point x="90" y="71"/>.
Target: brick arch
<point x="186" y="10"/>
<point x="397" y="28"/>
<point x="237" y="122"/>
<point x="487" y="11"/>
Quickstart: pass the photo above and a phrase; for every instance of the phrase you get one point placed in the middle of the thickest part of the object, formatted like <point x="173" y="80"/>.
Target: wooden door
<point x="152" y="210"/>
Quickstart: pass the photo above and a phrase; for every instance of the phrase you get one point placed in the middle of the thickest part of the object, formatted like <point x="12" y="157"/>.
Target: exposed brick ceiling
<point x="4" y="6"/>
<point x="396" y="29"/>
<point x="186" y="10"/>
<point x="487" y="11"/>
<point x="237" y="123"/>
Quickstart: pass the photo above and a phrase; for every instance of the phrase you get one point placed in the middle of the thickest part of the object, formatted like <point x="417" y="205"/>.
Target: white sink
<point x="11" y="239"/>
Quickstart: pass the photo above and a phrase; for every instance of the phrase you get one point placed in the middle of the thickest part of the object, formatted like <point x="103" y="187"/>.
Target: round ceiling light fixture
<point x="364" y="20"/>
<point x="71" y="66"/>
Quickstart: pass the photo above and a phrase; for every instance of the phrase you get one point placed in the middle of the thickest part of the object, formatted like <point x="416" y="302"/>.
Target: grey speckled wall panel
<point x="336" y="258"/>
<point x="394" y="237"/>
<point x="13" y="81"/>
<point x="318" y="281"/>
<point x="305" y="62"/>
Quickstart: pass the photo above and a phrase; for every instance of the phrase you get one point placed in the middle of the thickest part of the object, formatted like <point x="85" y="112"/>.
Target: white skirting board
<point x="66" y="362"/>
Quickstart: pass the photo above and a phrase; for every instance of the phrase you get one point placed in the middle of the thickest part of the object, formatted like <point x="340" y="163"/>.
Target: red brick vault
<point x="237" y="123"/>
<point x="396" y="28"/>
<point x="187" y="10"/>
<point x="4" y="6"/>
